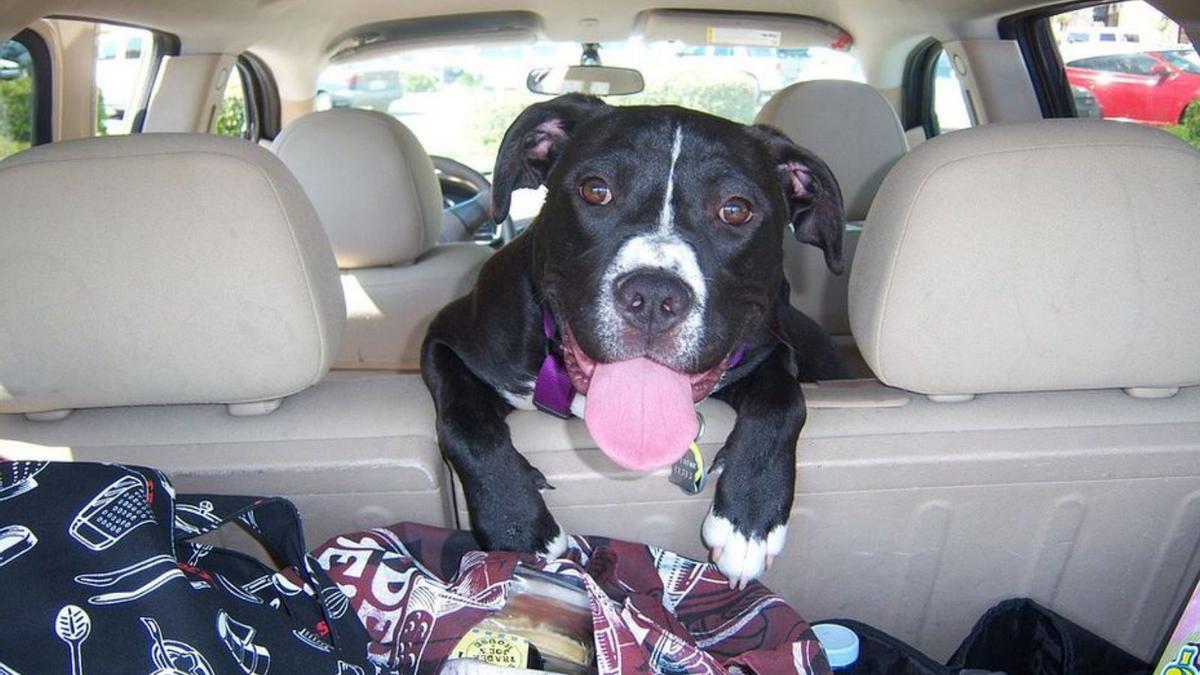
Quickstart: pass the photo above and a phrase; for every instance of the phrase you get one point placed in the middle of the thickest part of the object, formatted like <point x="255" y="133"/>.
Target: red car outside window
<point x="1152" y="87"/>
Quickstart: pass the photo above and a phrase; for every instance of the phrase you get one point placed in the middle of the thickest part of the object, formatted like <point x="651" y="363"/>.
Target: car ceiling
<point x="294" y="36"/>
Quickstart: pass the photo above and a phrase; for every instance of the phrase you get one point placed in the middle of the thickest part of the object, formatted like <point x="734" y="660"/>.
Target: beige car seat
<point x="376" y="193"/>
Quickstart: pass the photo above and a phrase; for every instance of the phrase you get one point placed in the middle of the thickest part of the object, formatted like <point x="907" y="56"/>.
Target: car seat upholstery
<point x="855" y="130"/>
<point x="1034" y="256"/>
<point x="121" y="288"/>
<point x="149" y="277"/>
<point x="376" y="193"/>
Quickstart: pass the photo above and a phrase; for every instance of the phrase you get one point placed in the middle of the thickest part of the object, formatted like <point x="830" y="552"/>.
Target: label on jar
<point x="498" y="649"/>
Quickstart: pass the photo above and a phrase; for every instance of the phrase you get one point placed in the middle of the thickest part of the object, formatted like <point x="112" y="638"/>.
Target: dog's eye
<point x="595" y="191"/>
<point x="736" y="211"/>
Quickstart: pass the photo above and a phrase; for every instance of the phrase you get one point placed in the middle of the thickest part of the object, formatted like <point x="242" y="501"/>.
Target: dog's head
<point x="662" y="231"/>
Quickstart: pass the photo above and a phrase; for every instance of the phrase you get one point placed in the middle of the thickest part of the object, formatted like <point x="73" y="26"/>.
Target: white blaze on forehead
<point x="666" y="218"/>
<point x="660" y="249"/>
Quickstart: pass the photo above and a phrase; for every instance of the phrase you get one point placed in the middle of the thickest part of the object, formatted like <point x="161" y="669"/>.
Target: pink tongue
<point x="640" y="413"/>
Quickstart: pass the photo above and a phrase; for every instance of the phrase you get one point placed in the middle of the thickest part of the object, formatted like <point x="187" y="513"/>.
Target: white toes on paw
<point x="556" y="547"/>
<point x="741" y="558"/>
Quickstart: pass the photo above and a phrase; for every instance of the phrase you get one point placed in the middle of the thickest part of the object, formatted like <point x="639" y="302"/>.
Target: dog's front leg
<point x="747" y="524"/>
<point x="502" y="488"/>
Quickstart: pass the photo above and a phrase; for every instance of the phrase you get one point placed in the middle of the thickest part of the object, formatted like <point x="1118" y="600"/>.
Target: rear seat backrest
<point x="1059" y="254"/>
<point x="855" y="130"/>
<point x="377" y="195"/>
<point x="142" y="273"/>
<point x="159" y="269"/>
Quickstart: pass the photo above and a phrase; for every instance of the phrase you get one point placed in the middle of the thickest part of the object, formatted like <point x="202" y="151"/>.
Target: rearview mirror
<point x="594" y="80"/>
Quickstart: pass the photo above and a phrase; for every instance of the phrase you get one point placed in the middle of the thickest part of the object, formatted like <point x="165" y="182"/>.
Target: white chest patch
<point x="520" y="401"/>
<point x="525" y="401"/>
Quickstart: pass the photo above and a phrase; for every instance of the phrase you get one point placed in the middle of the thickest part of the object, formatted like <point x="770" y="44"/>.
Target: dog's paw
<point x="516" y="520"/>
<point x="556" y="546"/>
<point x="741" y="556"/>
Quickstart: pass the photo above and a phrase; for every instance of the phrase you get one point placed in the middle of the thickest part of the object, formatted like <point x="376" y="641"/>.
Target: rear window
<point x="459" y="100"/>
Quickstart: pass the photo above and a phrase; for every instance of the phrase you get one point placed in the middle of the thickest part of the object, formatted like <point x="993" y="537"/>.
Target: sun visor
<point x="786" y="31"/>
<point x="474" y="29"/>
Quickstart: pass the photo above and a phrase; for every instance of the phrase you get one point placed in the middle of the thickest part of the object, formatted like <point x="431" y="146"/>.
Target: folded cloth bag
<point x="419" y="589"/>
<point x="98" y="574"/>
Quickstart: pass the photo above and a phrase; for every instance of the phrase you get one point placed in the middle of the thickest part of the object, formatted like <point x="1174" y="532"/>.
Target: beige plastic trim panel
<point x="914" y="518"/>
<point x="918" y="518"/>
<point x="865" y="393"/>
<point x="354" y="451"/>
<point x="995" y="80"/>
<point x="187" y="92"/>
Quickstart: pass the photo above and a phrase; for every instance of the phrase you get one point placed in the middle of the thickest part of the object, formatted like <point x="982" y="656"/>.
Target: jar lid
<point x="840" y="644"/>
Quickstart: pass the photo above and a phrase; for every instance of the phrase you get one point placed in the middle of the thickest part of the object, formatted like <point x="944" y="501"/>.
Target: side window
<point x="234" y="118"/>
<point x="949" y="107"/>
<point x="16" y="98"/>
<point x="1127" y="61"/>
<point x="125" y="66"/>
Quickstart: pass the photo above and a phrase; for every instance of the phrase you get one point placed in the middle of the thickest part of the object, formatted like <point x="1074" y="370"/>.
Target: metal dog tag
<point x="688" y="472"/>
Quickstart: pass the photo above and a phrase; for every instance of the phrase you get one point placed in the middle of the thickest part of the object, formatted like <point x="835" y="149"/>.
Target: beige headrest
<point x="1059" y="254"/>
<point x="159" y="269"/>
<point x="850" y="125"/>
<point x="372" y="183"/>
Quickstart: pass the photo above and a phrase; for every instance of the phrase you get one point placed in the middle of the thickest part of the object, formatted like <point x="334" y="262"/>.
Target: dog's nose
<point x="652" y="301"/>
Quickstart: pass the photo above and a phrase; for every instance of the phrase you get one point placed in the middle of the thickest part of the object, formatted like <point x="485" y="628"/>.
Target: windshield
<point x="1185" y="60"/>
<point x="460" y="100"/>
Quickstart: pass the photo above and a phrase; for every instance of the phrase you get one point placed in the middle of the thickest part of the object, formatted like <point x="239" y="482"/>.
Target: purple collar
<point x="553" y="390"/>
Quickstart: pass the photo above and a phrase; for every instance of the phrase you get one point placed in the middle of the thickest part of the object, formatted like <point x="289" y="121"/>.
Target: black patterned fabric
<point x="98" y="574"/>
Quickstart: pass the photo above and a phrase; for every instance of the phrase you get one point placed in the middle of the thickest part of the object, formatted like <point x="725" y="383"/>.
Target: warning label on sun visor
<point x="718" y="35"/>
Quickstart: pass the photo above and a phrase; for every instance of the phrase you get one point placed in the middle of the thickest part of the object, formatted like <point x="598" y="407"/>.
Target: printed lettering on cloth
<point x="419" y="589"/>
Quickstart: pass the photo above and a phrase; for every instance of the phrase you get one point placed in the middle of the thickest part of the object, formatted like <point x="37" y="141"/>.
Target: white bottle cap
<point x="840" y="644"/>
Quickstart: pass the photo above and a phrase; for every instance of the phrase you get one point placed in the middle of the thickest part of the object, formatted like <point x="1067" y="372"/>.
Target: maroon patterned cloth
<point x="419" y="589"/>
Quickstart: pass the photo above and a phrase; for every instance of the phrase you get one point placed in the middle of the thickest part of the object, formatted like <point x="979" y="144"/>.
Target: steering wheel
<point x="467" y="205"/>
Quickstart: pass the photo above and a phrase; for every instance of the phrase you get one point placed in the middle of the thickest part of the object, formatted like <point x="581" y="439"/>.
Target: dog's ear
<point x="813" y="194"/>
<point x="534" y="142"/>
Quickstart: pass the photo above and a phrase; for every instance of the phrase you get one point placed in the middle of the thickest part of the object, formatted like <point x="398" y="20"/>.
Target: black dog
<point x="657" y="260"/>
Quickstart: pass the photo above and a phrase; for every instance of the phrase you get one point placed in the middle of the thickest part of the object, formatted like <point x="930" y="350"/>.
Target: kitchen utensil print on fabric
<point x="239" y="640"/>
<point x="16" y="478"/>
<point x="335" y="601"/>
<point x="312" y="640"/>
<point x="236" y="591"/>
<point x="133" y="581"/>
<point x="194" y="519"/>
<point x="119" y="509"/>
<point x="73" y="626"/>
<point x="172" y="657"/>
<point x="15" y="540"/>
<point x="343" y="669"/>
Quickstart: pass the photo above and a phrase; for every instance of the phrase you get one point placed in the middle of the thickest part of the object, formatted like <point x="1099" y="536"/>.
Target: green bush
<point x="418" y="82"/>
<point x="734" y="98"/>
<point x="1190" y="129"/>
<point x="16" y="111"/>
<point x="11" y="147"/>
<point x="231" y="121"/>
<point x="468" y="80"/>
<point x="101" y="115"/>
